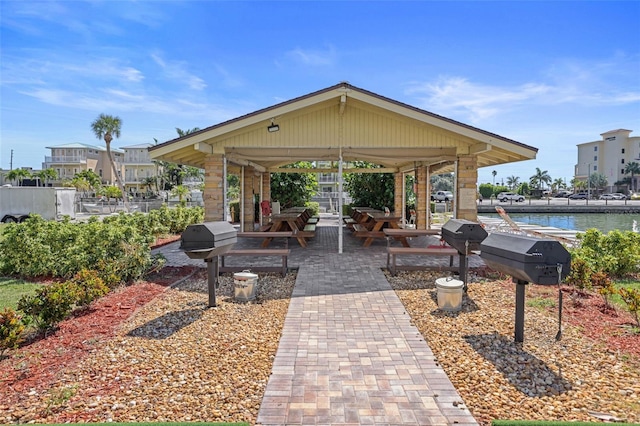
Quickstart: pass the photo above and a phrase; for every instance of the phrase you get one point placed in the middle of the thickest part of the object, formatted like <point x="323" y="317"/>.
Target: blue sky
<point x="547" y="74"/>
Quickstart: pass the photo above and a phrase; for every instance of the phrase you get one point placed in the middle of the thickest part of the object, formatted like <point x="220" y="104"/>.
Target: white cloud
<point x="313" y="57"/>
<point x="477" y="101"/>
<point x="612" y="82"/>
<point x="177" y="72"/>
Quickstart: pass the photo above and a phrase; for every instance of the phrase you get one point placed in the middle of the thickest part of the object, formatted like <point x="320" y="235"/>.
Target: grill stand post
<point x="463" y="270"/>
<point x="212" y="279"/>
<point x="520" y="292"/>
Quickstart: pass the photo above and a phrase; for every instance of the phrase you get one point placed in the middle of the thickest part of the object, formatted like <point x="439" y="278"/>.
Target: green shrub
<point x="616" y="253"/>
<point x="631" y="297"/>
<point x="580" y="275"/>
<point x="118" y="247"/>
<point x="11" y="330"/>
<point x="314" y="207"/>
<point x="50" y="305"/>
<point x="89" y="287"/>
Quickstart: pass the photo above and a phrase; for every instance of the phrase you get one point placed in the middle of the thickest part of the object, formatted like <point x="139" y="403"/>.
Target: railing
<point x="66" y="159"/>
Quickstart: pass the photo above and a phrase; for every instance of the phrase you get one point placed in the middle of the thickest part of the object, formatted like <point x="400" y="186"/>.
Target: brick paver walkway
<point x="349" y="354"/>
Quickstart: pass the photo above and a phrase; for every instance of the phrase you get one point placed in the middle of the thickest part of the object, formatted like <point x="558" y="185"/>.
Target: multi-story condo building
<point x="138" y="167"/>
<point x="327" y="196"/>
<point x="609" y="157"/>
<point x="72" y="158"/>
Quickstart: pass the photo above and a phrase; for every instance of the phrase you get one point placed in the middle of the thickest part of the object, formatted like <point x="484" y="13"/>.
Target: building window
<point x="595" y="158"/>
<point x="595" y="149"/>
<point x="622" y="161"/>
<point x="622" y="171"/>
<point x="623" y="150"/>
<point x="595" y="168"/>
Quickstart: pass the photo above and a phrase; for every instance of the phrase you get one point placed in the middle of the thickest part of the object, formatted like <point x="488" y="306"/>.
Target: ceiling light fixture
<point x="273" y="127"/>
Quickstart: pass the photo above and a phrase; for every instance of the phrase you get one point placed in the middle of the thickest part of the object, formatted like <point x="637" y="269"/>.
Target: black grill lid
<point x="526" y="258"/>
<point x="208" y="235"/>
<point x="456" y="233"/>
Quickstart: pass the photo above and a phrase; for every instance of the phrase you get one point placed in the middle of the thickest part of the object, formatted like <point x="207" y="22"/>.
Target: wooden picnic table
<point x="378" y="221"/>
<point x="287" y="222"/>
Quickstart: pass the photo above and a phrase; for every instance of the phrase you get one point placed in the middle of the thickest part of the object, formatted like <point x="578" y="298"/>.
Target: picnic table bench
<point x="256" y="252"/>
<point x="283" y="253"/>
<point x="393" y="252"/>
<point x="436" y="250"/>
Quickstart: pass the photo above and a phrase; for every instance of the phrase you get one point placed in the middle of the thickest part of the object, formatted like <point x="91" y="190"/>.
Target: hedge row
<point x="91" y="257"/>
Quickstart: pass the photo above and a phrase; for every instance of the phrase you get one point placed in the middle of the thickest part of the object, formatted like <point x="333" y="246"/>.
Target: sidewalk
<point x="349" y="354"/>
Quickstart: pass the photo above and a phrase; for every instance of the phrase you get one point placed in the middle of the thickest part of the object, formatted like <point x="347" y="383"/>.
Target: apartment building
<point x="328" y="195"/>
<point x="138" y="167"/>
<point x="609" y="156"/>
<point x="72" y="158"/>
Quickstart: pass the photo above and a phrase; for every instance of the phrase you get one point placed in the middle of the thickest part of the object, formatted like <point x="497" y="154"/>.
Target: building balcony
<point x="134" y="180"/>
<point x="138" y="162"/>
<point x="65" y="159"/>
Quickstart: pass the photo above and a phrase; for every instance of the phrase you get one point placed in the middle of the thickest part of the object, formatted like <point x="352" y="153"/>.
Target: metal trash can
<point x="245" y="285"/>
<point x="449" y="292"/>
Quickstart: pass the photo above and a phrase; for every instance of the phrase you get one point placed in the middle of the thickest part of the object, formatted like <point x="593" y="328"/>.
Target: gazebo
<point x="341" y="124"/>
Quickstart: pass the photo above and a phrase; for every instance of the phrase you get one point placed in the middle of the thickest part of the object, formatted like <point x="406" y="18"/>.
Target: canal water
<point x="605" y="222"/>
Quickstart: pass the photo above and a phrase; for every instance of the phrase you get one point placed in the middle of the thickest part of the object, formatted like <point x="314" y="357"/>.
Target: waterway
<point x="605" y="222"/>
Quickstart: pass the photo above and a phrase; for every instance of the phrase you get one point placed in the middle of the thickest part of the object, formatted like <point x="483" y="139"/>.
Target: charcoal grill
<point x="207" y="241"/>
<point x="464" y="236"/>
<point x="527" y="260"/>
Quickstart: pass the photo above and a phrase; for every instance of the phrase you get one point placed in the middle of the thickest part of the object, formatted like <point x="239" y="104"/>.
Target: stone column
<point x="266" y="186"/>
<point x="398" y="206"/>
<point x="422" y="197"/>
<point x="213" y="195"/>
<point x="466" y="187"/>
<point x="248" y="199"/>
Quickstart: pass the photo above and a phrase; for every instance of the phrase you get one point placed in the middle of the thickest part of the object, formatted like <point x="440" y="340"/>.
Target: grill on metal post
<point x="527" y="260"/>
<point x="464" y="236"/>
<point x="207" y="241"/>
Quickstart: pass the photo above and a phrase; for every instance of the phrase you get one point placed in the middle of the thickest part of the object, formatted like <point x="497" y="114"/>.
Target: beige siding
<point x="362" y="126"/>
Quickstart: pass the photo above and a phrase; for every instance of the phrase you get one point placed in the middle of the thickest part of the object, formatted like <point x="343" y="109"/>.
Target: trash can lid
<point x="448" y="282"/>
<point x="245" y="275"/>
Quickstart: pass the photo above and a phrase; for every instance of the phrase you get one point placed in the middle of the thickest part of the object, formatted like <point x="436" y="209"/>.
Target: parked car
<point x="441" y="196"/>
<point x="563" y="194"/>
<point x="613" y="196"/>
<point x="578" y="196"/>
<point x="506" y="196"/>
<point x="620" y="196"/>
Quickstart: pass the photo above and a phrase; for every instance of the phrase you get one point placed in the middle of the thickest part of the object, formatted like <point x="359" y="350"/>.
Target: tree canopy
<point x="293" y="189"/>
<point x="370" y="189"/>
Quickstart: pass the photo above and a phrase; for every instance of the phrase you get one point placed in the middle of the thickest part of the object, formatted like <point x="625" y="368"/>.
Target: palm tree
<point x="632" y="168"/>
<point x="557" y="184"/>
<point x="107" y="126"/>
<point x="46" y="175"/>
<point x="180" y="191"/>
<point x="18" y="175"/>
<point x="494" y="173"/>
<point x="540" y="178"/>
<point x="512" y="182"/>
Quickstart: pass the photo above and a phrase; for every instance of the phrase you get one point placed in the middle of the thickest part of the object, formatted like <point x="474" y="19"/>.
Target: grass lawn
<point x="615" y="299"/>
<point x="11" y="290"/>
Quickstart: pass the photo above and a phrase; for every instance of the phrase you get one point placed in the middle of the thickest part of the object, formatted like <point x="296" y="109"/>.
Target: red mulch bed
<point x="615" y="328"/>
<point x="35" y="365"/>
